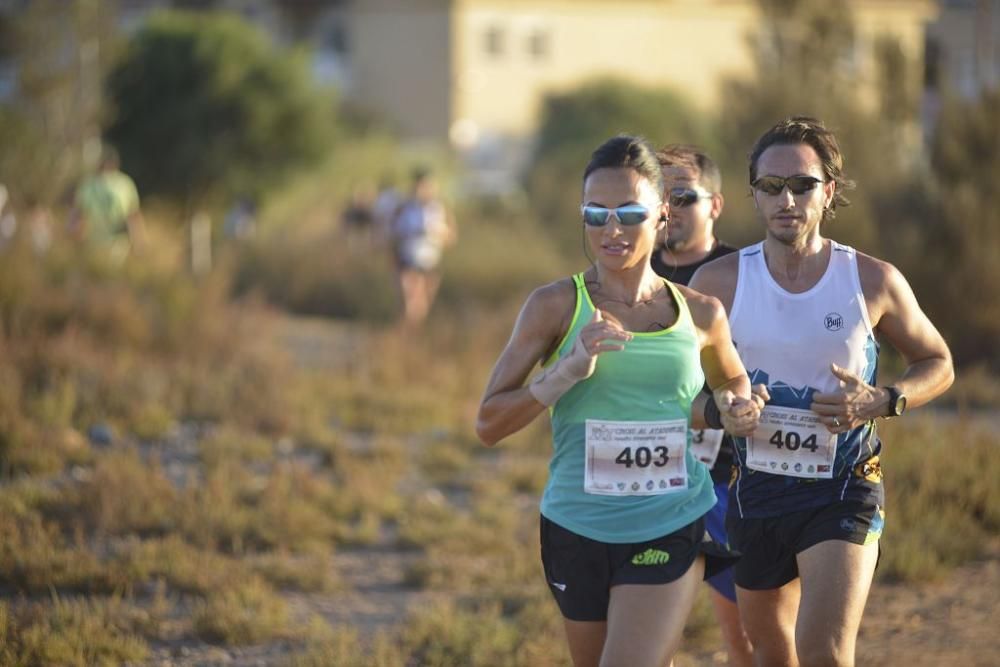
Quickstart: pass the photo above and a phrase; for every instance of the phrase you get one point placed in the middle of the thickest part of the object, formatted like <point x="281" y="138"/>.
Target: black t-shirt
<point x="682" y="276"/>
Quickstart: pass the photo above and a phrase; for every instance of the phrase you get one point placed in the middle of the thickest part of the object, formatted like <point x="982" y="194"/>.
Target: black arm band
<point x="713" y="418"/>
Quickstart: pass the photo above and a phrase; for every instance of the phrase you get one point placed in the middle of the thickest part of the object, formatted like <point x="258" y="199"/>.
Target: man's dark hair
<point x="420" y="173"/>
<point x="625" y="151"/>
<point x="692" y="157"/>
<point x="810" y="131"/>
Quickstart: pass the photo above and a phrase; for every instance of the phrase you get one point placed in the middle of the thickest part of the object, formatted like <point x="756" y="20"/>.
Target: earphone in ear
<point x="663" y="217"/>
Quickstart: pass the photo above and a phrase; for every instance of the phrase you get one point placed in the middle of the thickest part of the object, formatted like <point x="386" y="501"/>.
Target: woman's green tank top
<point x="654" y="379"/>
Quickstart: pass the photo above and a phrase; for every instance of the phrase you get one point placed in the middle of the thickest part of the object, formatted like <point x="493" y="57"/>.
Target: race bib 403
<point x="631" y="458"/>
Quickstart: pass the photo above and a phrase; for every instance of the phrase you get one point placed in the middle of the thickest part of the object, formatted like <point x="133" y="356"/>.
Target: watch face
<point x="900" y="405"/>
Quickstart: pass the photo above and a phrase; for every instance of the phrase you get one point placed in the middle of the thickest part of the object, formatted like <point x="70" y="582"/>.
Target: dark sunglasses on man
<point x="683" y="197"/>
<point x="775" y="185"/>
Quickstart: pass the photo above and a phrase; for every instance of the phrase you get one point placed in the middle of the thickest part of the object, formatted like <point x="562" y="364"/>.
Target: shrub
<point x="246" y="613"/>
<point x="943" y="501"/>
<point x="68" y="632"/>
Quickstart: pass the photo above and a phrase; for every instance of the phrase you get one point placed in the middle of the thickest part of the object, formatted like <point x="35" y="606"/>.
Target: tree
<point x="575" y="123"/>
<point x="206" y="109"/>
<point x="52" y="121"/>
<point x="954" y="232"/>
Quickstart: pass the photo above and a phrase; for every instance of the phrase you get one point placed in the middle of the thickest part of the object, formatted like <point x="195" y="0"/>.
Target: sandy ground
<point x="952" y="622"/>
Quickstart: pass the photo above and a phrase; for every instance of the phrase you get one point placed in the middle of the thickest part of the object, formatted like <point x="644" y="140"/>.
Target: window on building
<point x="539" y="44"/>
<point x="494" y="41"/>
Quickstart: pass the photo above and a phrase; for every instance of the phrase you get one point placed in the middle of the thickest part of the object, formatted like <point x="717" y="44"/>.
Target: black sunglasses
<point x="682" y="197"/>
<point x="774" y="185"/>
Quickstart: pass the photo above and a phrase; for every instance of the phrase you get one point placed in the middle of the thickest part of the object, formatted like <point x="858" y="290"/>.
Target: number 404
<point x="791" y="441"/>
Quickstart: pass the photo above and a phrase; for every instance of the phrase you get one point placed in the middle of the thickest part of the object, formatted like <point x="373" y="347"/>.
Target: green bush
<point x="207" y="109"/>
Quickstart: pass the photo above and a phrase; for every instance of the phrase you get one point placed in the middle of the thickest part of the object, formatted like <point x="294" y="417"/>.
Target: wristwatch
<point x="897" y="402"/>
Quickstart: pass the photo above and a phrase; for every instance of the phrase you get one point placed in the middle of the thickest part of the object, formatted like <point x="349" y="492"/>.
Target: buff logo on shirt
<point x="834" y="322"/>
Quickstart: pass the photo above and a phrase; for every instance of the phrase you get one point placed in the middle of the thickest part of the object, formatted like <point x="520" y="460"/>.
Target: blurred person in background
<point x="419" y="232"/>
<point x="358" y="218"/>
<point x="240" y="223"/>
<point x="106" y="213"/>
<point x="692" y="185"/>
<point x="34" y="220"/>
<point x="806" y="313"/>
<point x="384" y="209"/>
<point x="8" y="221"/>
<point x="623" y="353"/>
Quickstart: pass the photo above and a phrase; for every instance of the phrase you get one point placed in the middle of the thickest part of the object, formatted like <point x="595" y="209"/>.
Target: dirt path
<point x="954" y="622"/>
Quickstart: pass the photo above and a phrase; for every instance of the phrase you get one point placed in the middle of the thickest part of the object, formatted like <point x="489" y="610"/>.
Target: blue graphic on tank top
<point x="761" y="494"/>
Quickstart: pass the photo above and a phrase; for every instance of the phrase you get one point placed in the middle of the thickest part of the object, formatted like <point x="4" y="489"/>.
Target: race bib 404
<point x="634" y="458"/>
<point x="792" y="442"/>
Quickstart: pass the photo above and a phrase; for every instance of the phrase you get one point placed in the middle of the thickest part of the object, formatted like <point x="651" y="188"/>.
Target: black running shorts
<point x="769" y="545"/>
<point x="581" y="571"/>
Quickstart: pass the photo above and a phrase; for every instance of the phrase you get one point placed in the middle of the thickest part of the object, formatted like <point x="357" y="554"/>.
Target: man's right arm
<point x="718" y="279"/>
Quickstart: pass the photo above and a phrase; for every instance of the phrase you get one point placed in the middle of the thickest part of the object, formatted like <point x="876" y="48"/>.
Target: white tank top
<point x="787" y="341"/>
<point x="795" y="337"/>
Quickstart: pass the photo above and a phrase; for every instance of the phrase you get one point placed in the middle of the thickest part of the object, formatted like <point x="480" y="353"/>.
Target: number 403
<point x="644" y="456"/>
<point x="792" y="441"/>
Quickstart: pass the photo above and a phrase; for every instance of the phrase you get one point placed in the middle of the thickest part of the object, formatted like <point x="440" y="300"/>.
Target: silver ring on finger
<point x="836" y="423"/>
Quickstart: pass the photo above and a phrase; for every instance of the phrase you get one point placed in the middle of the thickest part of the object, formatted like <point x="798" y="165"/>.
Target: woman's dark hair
<point x="625" y="151"/>
<point x="810" y="131"/>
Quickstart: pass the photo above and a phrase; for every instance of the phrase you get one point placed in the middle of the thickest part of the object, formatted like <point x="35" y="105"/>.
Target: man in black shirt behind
<point x="693" y="185"/>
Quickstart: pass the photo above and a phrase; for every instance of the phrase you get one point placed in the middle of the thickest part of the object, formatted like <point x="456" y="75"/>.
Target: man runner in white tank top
<point x="806" y="314"/>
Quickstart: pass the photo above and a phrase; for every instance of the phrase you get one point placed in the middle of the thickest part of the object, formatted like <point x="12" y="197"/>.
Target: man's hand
<point x="740" y="415"/>
<point x="856" y="403"/>
<point x="760" y="395"/>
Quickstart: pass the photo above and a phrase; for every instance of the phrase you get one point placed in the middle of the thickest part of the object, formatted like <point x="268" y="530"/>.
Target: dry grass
<point x="236" y="473"/>
<point x="69" y="632"/>
<point x="247" y="612"/>
<point x="943" y="501"/>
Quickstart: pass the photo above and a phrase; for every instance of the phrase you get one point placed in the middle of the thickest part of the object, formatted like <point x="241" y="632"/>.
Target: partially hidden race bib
<point x="792" y="442"/>
<point x="635" y="458"/>
<point x="705" y="445"/>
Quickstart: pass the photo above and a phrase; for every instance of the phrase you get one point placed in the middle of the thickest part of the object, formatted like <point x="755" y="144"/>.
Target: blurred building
<point x="963" y="48"/>
<point x="475" y="72"/>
